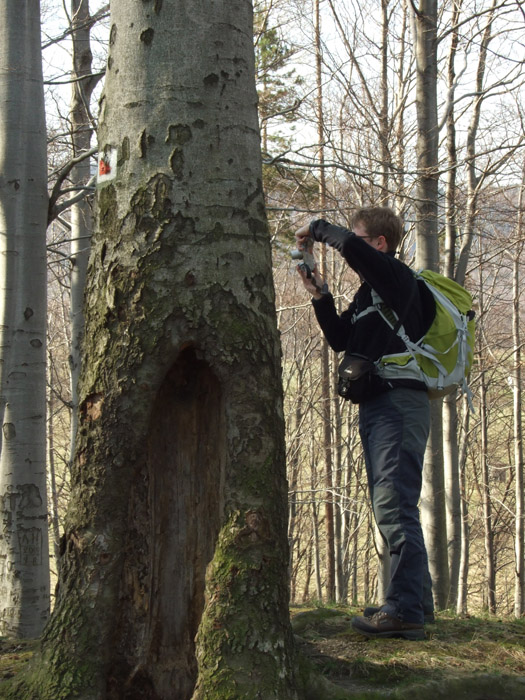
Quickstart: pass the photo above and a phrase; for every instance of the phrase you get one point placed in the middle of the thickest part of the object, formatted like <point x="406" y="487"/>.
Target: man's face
<point x="377" y="242"/>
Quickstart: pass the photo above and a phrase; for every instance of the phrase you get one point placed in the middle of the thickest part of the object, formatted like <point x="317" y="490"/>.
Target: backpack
<point x="442" y="358"/>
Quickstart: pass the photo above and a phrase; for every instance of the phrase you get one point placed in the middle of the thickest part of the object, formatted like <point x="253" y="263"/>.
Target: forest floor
<point x="475" y="658"/>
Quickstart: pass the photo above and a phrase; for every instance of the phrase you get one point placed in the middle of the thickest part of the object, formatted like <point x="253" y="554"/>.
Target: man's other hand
<point x="302" y="235"/>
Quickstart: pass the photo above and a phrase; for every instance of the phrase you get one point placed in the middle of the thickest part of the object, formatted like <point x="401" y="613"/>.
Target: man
<point x="394" y="414"/>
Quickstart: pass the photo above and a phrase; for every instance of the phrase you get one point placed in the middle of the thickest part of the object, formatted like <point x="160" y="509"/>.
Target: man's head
<point x="381" y="227"/>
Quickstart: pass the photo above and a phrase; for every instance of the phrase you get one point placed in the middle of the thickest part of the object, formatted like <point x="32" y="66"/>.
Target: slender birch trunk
<point x="325" y="361"/>
<point x="519" y="587"/>
<point x="474" y="178"/>
<point x="427" y="256"/>
<point x="462" y="596"/>
<point x="383" y="569"/>
<point x="24" y="558"/>
<point x="474" y="182"/>
<point x="316" y="540"/>
<point x="450" y="415"/>
<point x="384" y="126"/>
<point x="81" y="212"/>
<point x="339" y="492"/>
<point x="490" y="569"/>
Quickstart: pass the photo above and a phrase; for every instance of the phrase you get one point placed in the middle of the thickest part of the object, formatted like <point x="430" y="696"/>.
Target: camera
<point x="308" y="262"/>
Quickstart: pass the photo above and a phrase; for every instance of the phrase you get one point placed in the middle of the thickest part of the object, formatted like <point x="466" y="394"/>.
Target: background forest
<point x="338" y="108"/>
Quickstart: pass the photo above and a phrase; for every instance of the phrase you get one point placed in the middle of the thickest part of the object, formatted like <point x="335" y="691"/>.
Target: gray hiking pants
<point x="394" y="429"/>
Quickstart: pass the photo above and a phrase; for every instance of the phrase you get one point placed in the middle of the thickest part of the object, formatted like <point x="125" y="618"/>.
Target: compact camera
<point x="308" y="262"/>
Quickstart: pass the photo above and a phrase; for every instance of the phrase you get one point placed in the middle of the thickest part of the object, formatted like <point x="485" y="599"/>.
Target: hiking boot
<point x="429" y="616"/>
<point x="382" y="625"/>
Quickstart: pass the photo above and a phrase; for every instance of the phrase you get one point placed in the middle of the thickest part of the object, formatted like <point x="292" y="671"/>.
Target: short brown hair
<point x="381" y="221"/>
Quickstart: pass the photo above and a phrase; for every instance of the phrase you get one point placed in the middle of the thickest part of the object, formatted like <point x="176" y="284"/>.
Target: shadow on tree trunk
<point x="176" y="511"/>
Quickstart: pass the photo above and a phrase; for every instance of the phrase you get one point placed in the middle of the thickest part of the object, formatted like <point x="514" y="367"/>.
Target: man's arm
<point x="390" y="278"/>
<point x="335" y="328"/>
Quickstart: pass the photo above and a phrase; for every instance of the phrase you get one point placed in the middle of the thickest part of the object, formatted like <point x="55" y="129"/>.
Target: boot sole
<point x="410" y="635"/>
<point x="430" y="619"/>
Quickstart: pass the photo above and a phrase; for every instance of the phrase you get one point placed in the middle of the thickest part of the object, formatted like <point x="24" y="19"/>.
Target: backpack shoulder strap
<point x="391" y="318"/>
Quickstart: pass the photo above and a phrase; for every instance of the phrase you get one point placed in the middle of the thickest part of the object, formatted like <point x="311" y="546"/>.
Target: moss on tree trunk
<point x="174" y="570"/>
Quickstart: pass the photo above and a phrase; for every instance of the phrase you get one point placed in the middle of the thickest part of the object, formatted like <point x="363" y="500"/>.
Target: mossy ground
<point x="14" y="656"/>
<point x="476" y="658"/>
<point x="480" y="658"/>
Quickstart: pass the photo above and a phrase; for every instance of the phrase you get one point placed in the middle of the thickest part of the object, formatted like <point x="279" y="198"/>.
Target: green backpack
<point x="442" y="358"/>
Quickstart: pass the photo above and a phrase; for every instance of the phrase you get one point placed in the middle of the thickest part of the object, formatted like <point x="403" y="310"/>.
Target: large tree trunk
<point x="174" y="573"/>
<point x="24" y="559"/>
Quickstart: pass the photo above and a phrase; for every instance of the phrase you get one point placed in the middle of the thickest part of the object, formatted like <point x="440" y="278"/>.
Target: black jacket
<point x="370" y="336"/>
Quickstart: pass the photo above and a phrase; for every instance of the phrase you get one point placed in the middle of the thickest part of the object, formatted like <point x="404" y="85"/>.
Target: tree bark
<point x="462" y="596"/>
<point x="425" y="37"/>
<point x="450" y="415"/>
<point x="490" y="567"/>
<point x="24" y="558"/>
<point x="325" y="361"/>
<point x="452" y="493"/>
<point x="427" y="256"/>
<point x="81" y="213"/>
<point x="384" y="126"/>
<point x="433" y="509"/>
<point x="519" y="587"/>
<point x="174" y="572"/>
<point x="383" y="566"/>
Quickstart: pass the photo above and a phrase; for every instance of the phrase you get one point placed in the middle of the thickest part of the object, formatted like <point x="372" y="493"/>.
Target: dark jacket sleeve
<point x="390" y="278"/>
<point x="336" y="328"/>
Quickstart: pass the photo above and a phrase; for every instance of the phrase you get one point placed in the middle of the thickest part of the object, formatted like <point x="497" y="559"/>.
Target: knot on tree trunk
<point x="92" y="407"/>
<point x="256" y="529"/>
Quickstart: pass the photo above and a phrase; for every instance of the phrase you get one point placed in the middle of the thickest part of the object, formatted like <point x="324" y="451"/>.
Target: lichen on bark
<point x="177" y="524"/>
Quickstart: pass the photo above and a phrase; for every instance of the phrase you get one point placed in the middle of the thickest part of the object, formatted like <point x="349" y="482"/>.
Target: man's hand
<point x="301" y="236"/>
<point x="311" y="282"/>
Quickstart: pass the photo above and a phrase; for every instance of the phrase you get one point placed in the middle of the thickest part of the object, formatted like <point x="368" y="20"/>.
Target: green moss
<point x="107" y="207"/>
<point x="40" y="680"/>
<point x="308" y="619"/>
<point x="243" y="627"/>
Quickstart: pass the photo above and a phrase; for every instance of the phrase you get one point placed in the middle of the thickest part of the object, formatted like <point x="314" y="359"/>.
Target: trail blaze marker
<point x="107" y="165"/>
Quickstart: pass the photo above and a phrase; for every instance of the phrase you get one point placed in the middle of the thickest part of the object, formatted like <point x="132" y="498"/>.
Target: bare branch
<point x="56" y="192"/>
<point x="103" y="13"/>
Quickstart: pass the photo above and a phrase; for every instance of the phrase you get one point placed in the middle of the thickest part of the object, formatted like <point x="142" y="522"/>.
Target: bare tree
<point x="178" y="512"/>
<point x="427" y="256"/>
<point x="24" y="560"/>
<point x="325" y="364"/>
<point x="82" y="126"/>
<point x="450" y="415"/>
<point x="519" y="595"/>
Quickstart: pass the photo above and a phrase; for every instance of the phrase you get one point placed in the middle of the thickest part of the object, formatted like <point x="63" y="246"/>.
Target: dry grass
<point x="476" y="658"/>
<point x="455" y="652"/>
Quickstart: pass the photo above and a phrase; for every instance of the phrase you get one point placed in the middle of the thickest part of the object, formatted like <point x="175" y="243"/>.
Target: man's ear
<point x="382" y="245"/>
